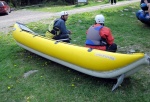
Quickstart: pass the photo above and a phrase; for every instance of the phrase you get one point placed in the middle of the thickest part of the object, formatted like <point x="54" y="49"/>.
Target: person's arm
<point x="146" y="1"/>
<point x="63" y="28"/>
<point x="106" y="34"/>
<point x="148" y="5"/>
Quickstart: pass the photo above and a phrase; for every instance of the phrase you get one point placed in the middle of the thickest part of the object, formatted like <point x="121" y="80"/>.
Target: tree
<point x="71" y="1"/>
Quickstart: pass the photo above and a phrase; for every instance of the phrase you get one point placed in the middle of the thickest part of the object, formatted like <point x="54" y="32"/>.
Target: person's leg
<point x="142" y="17"/>
<point x="148" y="5"/>
<point x="138" y="13"/>
<point x="115" y="1"/>
<point x="56" y="37"/>
<point x="112" y="2"/>
<point x="112" y="48"/>
<point x="67" y="41"/>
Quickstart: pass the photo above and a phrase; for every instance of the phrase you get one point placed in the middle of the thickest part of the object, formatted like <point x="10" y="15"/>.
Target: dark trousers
<point x="61" y="37"/>
<point x="113" y="1"/>
<point x="111" y="48"/>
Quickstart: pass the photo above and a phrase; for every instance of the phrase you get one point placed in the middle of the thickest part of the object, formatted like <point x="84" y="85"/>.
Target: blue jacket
<point x="60" y="23"/>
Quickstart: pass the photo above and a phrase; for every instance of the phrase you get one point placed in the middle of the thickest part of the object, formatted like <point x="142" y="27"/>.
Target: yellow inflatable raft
<point x="93" y="62"/>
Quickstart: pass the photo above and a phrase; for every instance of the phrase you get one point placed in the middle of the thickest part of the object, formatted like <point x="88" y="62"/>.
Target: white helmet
<point x="99" y="18"/>
<point x="62" y="13"/>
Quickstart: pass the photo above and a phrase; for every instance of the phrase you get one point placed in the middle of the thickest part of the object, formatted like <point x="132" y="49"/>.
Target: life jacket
<point x="55" y="30"/>
<point x="93" y="37"/>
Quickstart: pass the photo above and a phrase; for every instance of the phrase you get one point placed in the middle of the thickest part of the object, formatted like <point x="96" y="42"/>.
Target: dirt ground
<point x="22" y="16"/>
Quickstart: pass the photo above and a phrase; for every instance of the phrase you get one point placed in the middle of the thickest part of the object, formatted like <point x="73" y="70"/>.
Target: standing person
<point x="145" y="6"/>
<point x="14" y="2"/>
<point x="113" y="1"/>
<point x="59" y="28"/>
<point x="100" y="37"/>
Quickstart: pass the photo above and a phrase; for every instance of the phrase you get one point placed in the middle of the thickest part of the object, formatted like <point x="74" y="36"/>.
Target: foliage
<point x="18" y="3"/>
<point x="54" y="7"/>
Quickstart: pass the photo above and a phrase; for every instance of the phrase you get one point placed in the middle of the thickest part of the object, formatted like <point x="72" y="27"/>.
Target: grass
<point x="56" y="83"/>
<point x="56" y="7"/>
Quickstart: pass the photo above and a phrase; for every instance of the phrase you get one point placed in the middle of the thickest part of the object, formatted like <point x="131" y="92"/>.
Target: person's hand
<point x="148" y="4"/>
<point x="70" y="32"/>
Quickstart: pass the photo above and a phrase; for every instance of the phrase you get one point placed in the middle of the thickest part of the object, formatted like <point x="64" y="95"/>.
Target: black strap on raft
<point x="55" y="31"/>
<point x="90" y="49"/>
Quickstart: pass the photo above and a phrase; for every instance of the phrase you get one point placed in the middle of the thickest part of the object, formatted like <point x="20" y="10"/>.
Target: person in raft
<point x="99" y="36"/>
<point x="145" y="6"/>
<point x="60" y="30"/>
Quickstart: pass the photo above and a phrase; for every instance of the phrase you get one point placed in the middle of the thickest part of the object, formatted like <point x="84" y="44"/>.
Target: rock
<point x="80" y="21"/>
<point x="126" y="9"/>
<point x="132" y="51"/>
<point x="29" y="73"/>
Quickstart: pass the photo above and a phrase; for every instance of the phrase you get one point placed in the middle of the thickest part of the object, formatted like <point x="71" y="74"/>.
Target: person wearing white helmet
<point x="113" y="1"/>
<point x="60" y="27"/>
<point x="99" y="36"/>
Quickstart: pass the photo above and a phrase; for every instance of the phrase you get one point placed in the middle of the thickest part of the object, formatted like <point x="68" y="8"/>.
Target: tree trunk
<point x="28" y="2"/>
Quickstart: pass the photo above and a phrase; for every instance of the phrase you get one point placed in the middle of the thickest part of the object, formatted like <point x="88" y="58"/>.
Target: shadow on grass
<point x="66" y="75"/>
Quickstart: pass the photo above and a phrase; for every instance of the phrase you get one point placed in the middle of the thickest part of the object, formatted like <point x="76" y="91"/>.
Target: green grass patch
<point x="57" y="7"/>
<point x="56" y="83"/>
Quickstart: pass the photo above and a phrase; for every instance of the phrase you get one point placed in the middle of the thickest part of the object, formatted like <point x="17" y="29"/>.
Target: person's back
<point x="99" y="37"/>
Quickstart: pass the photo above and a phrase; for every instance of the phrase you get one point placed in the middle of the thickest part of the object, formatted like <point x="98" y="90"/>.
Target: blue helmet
<point x="144" y="6"/>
